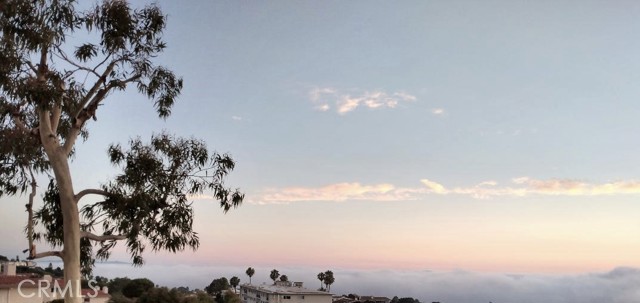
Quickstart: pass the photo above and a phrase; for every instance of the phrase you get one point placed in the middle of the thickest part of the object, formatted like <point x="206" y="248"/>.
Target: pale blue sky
<point x="538" y="100"/>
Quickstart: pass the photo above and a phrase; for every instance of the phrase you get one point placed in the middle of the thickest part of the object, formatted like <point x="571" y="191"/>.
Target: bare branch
<point x="94" y="237"/>
<point x="45" y="254"/>
<point x="33" y="68"/>
<point x="90" y="110"/>
<point x="64" y="57"/>
<point x="90" y="95"/>
<point x="90" y="191"/>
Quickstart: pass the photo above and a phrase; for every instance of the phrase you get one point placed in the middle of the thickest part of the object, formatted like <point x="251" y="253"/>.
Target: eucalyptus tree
<point x="51" y="88"/>
<point x="250" y="272"/>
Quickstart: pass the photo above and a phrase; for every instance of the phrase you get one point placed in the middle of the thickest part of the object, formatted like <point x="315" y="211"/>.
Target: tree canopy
<point x="274" y="275"/>
<point x="217" y="286"/>
<point x="250" y="272"/>
<point x="51" y="88"/>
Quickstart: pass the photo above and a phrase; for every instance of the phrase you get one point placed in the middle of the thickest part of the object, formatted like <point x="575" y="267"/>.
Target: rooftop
<point x="286" y="290"/>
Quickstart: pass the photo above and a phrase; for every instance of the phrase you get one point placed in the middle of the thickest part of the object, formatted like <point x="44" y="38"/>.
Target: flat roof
<point x="285" y="290"/>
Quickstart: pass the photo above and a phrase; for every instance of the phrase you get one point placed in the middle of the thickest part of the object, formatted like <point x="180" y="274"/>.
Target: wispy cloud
<point x="517" y="187"/>
<point x="236" y="118"/>
<point x="438" y="111"/>
<point x="335" y="192"/>
<point x="327" y="98"/>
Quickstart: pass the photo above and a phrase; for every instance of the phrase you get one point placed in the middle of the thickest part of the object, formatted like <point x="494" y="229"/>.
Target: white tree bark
<point x="70" y="214"/>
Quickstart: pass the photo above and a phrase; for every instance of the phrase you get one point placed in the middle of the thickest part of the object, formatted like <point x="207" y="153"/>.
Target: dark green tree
<point x="199" y="297"/>
<point x="160" y="295"/>
<point x="234" y="282"/>
<point x="250" y="272"/>
<point x="136" y="287"/>
<point x="50" y="89"/>
<point x="321" y="277"/>
<point x="274" y="275"/>
<point x="117" y="284"/>
<point x="284" y="278"/>
<point x="217" y="286"/>
<point x="328" y="279"/>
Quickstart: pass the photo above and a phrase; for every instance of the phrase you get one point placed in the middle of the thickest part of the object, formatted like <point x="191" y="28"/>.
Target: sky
<point x="451" y="141"/>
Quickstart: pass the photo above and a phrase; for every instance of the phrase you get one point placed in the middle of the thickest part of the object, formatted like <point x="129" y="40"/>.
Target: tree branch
<point x="90" y="110"/>
<point x="55" y="117"/>
<point x="29" y="206"/>
<point x="94" y="237"/>
<point x="64" y="57"/>
<point x="90" y="95"/>
<point x="90" y="191"/>
<point x="58" y="254"/>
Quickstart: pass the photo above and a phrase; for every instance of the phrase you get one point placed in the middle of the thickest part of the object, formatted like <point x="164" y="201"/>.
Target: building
<point x="16" y="288"/>
<point x="282" y="292"/>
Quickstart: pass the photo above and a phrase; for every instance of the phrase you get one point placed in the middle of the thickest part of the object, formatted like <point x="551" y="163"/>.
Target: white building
<point x="16" y="288"/>
<point x="282" y="292"/>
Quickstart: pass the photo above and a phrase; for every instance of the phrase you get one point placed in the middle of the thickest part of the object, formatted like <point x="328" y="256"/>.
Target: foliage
<point x="234" y="282"/>
<point x="136" y="287"/>
<point x="160" y="295"/>
<point x="120" y="298"/>
<point x="217" y="286"/>
<point x="321" y="277"/>
<point x="199" y="297"/>
<point x="51" y="86"/>
<point x="117" y="284"/>
<point x="328" y="279"/>
<point x="274" y="275"/>
<point x="284" y="278"/>
<point x="232" y="298"/>
<point x="250" y="272"/>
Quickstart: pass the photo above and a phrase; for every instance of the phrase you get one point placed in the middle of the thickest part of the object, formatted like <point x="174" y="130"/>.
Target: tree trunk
<point x="70" y="215"/>
<point x="71" y="227"/>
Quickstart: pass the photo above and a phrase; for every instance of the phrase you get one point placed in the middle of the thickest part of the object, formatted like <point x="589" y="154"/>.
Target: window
<point x="302" y="297"/>
<point x="286" y="297"/>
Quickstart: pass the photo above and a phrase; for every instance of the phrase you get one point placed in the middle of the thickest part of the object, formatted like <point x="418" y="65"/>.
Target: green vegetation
<point x="250" y="272"/>
<point x="217" y="286"/>
<point x="51" y="88"/>
<point x="234" y="282"/>
<point x="274" y="275"/>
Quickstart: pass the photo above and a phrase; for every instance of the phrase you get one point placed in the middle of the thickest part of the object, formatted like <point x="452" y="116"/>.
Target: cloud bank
<point x="616" y="286"/>
<point x="518" y="187"/>
<point x="325" y="99"/>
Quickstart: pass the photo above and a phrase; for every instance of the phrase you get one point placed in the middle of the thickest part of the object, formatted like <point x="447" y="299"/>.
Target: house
<point x="282" y="292"/>
<point x="16" y="288"/>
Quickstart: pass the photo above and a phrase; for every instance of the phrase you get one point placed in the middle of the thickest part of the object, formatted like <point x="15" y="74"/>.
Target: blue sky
<point x="493" y="136"/>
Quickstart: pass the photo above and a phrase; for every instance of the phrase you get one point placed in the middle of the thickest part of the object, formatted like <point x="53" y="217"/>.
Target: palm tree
<point x="328" y="279"/>
<point x="234" y="281"/>
<point x="250" y="271"/>
<point x="274" y="275"/>
<point x="321" y="277"/>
